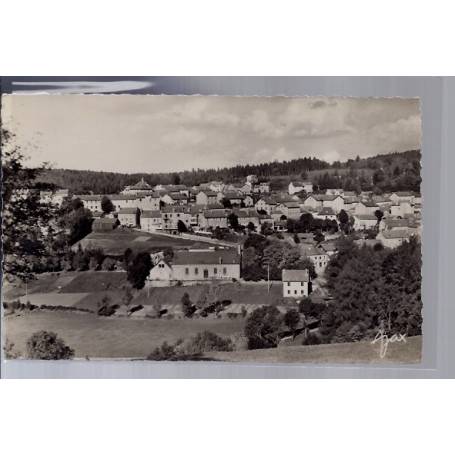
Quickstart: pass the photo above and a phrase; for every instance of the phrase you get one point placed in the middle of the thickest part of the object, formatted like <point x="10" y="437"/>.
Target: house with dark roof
<point x="128" y="216"/>
<point x="197" y="265"/>
<point x="296" y="283"/>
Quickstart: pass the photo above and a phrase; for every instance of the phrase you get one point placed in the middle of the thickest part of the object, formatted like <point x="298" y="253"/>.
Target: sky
<point x="168" y="133"/>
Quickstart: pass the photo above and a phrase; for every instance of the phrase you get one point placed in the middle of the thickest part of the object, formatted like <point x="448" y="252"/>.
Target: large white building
<point x="197" y="265"/>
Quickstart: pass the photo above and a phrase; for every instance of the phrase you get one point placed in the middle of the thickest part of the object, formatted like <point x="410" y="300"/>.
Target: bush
<point x="208" y="341"/>
<point x="47" y="346"/>
<point x="262" y="327"/>
<point x="188" y="308"/>
<point x="292" y="319"/>
<point x="244" y="311"/>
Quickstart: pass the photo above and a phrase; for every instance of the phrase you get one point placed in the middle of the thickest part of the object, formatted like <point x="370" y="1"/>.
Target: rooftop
<point x="396" y="234"/>
<point x="295" y="275"/>
<point x="127" y="211"/>
<point x="141" y="185"/>
<point x="183" y="257"/>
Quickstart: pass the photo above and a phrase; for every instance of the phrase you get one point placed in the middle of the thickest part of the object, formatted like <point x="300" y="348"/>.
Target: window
<point x="295" y="292"/>
<point x="289" y="292"/>
<point x="224" y="271"/>
<point x="187" y="270"/>
<point x="215" y="270"/>
<point x="196" y="270"/>
<point x="289" y="283"/>
<point x="302" y="291"/>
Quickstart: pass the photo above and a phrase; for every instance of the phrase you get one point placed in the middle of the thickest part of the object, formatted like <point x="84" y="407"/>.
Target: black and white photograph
<point x="211" y="228"/>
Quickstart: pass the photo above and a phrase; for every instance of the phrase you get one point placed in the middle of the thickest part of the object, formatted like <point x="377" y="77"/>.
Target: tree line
<point x="396" y="171"/>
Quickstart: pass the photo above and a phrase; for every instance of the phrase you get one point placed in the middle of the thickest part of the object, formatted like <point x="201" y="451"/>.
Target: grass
<point x="98" y="337"/>
<point x="98" y="281"/>
<point x="117" y="241"/>
<point x="94" y="336"/>
<point x="360" y="352"/>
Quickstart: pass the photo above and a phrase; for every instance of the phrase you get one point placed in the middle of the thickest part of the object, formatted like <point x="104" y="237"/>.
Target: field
<point x="86" y="289"/>
<point x="97" y="337"/>
<point x="360" y="352"/>
<point x="117" y="241"/>
<point x="92" y="336"/>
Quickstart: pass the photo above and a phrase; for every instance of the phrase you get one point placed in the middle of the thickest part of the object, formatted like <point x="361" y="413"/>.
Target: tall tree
<point x="138" y="269"/>
<point x="106" y="205"/>
<point x="25" y="218"/>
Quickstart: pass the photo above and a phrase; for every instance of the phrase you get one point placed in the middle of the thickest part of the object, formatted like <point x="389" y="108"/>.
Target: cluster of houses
<point x="205" y="207"/>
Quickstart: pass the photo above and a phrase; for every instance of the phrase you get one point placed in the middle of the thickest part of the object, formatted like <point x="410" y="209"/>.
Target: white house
<point x="206" y="197"/>
<point x="265" y="203"/>
<point x="91" y="201"/>
<point x="318" y="256"/>
<point x="401" y="209"/>
<point x="335" y="202"/>
<point x="246" y="216"/>
<point x="127" y="217"/>
<point x="151" y="220"/>
<point x="296" y="187"/>
<point x="366" y="208"/>
<point x="290" y="210"/>
<point x="170" y="217"/>
<point x="149" y="201"/>
<point x="393" y="238"/>
<point x="402" y="196"/>
<point x="213" y="218"/>
<point x="313" y="202"/>
<point x="362" y="222"/>
<point x="296" y="283"/>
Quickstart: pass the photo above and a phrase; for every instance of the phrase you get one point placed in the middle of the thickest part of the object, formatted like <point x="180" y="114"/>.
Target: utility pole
<point x="268" y="278"/>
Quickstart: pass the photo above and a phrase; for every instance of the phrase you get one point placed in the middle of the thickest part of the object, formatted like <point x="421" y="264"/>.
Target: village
<point x="221" y="215"/>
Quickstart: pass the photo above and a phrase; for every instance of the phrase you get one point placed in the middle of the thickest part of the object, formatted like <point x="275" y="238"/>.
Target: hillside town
<point x="309" y="219"/>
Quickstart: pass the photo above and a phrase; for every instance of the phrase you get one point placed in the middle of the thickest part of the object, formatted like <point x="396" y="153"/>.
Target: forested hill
<point x="395" y="171"/>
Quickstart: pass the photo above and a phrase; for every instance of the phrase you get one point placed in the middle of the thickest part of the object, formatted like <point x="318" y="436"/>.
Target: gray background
<point x="437" y="96"/>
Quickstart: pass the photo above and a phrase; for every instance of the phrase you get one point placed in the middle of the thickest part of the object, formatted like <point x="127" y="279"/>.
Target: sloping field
<point x="98" y="281"/>
<point x="94" y="336"/>
<point x="238" y="293"/>
<point x="44" y="283"/>
<point x="360" y="352"/>
<point x="117" y="241"/>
